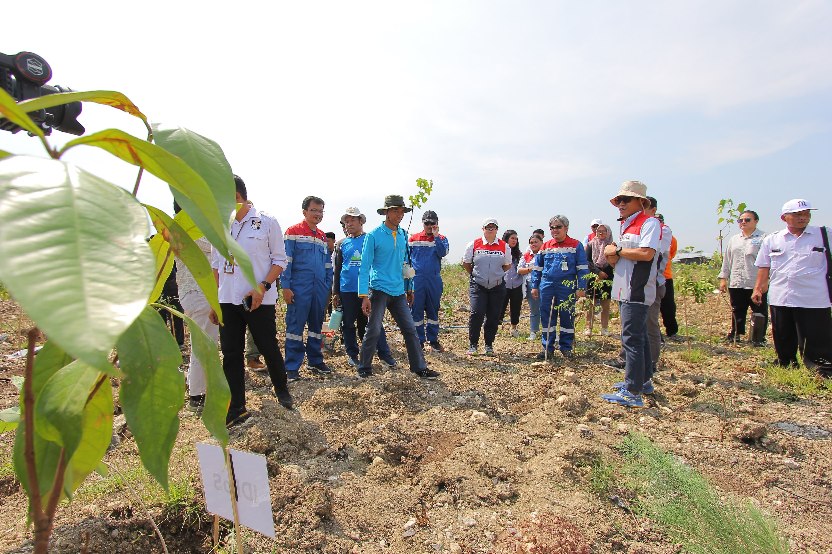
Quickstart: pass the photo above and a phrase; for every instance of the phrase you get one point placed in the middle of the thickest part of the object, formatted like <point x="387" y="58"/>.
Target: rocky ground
<point x="498" y="449"/>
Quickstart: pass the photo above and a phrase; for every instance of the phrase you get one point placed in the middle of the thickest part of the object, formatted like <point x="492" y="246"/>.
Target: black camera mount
<point x="24" y="76"/>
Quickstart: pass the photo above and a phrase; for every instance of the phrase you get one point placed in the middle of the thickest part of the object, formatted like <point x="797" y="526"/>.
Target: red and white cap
<point x="796" y="205"/>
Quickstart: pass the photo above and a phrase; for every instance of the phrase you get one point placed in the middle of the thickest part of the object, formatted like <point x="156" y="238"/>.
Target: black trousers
<point x="263" y="328"/>
<point x="740" y="302"/>
<point x="668" y="310"/>
<point x="808" y="330"/>
<point x="485" y="305"/>
<point x="514" y="297"/>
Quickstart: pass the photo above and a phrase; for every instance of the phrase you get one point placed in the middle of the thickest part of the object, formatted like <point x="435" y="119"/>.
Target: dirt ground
<point x="396" y="464"/>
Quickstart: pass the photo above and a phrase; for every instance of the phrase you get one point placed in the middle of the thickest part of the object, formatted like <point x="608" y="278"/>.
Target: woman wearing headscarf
<point x="599" y="286"/>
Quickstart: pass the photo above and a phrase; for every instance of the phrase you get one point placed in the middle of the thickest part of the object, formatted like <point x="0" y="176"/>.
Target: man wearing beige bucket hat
<point x="634" y="287"/>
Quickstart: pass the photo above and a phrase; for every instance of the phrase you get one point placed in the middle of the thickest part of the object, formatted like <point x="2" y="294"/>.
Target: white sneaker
<point x="514" y="332"/>
<point x="605" y="332"/>
<point x="588" y="332"/>
<point x="532" y="336"/>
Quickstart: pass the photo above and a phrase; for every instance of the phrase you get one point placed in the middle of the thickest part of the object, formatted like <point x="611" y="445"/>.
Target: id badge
<point x="228" y="267"/>
<point x="564" y="266"/>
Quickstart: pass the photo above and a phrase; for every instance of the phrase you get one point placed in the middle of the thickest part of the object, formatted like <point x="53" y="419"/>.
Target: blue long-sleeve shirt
<point x="561" y="261"/>
<point x="384" y="255"/>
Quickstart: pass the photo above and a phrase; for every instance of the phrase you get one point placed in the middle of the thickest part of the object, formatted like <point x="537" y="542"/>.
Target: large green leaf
<point x="10" y="109"/>
<point x="218" y="395"/>
<point x="185" y="221"/>
<point x="187" y="250"/>
<point x="59" y="408"/>
<point x="163" y="264"/>
<point x="188" y="187"/>
<point x="205" y="157"/>
<point x="49" y="361"/>
<point x="96" y="434"/>
<point x="152" y="391"/>
<point x="106" y="97"/>
<point x="73" y="253"/>
<point x="47" y="456"/>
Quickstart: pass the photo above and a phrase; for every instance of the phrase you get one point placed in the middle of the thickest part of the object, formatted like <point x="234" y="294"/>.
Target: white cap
<point x="488" y="221"/>
<point x="354" y="212"/>
<point x="796" y="205"/>
<point x="596" y="222"/>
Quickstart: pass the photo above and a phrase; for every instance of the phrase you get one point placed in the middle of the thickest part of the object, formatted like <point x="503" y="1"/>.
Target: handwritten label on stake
<point x="251" y="479"/>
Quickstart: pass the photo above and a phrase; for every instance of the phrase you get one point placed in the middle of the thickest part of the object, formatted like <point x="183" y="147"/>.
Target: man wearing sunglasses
<point x="634" y="287"/>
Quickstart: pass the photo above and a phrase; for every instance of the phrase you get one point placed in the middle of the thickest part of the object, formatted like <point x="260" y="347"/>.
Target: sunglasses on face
<point x="555" y="227"/>
<point x="745" y="220"/>
<point x="623" y="199"/>
<point x="490" y="227"/>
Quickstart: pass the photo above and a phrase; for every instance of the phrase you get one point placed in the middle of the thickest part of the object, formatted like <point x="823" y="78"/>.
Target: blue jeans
<point x="636" y="345"/>
<point x="400" y="311"/>
<point x="534" y="310"/>
<point x="351" y="305"/>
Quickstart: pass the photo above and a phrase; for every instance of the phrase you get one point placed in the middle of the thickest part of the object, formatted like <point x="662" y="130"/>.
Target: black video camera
<point x="24" y="76"/>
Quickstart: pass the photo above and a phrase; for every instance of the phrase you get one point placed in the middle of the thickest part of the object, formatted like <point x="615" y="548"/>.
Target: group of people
<point x="791" y="270"/>
<point x="363" y="275"/>
<point x="369" y="273"/>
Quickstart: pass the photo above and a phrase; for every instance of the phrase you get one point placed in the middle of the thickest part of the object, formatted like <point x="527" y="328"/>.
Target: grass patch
<point x="798" y="380"/>
<point x="695" y="355"/>
<point x="690" y="511"/>
<point x="601" y="477"/>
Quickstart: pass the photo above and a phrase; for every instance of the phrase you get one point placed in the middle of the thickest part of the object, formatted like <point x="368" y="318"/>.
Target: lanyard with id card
<point x="228" y="267"/>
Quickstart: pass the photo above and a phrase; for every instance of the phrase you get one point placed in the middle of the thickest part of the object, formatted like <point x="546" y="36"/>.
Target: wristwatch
<point x="266" y="285"/>
<point x="617" y="253"/>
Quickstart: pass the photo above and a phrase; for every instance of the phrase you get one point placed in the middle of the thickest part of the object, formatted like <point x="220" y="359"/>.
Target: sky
<point x="515" y="110"/>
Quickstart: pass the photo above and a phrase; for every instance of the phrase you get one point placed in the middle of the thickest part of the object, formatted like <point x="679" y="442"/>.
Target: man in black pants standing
<point x="261" y="237"/>
<point x="793" y="266"/>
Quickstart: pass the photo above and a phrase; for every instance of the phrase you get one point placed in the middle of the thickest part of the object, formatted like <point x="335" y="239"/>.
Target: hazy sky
<point x="516" y="110"/>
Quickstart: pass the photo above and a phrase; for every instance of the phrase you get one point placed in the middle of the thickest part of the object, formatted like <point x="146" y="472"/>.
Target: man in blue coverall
<point x="563" y="277"/>
<point x="426" y="252"/>
<point x="306" y="283"/>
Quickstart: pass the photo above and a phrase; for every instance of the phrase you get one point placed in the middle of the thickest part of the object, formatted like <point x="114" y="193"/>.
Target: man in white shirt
<point x="793" y="269"/>
<point x="261" y="237"/>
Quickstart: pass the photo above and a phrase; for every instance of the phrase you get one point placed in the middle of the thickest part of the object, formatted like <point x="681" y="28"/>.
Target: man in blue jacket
<point x="426" y="251"/>
<point x="385" y="282"/>
<point x="306" y="283"/>
<point x="563" y="277"/>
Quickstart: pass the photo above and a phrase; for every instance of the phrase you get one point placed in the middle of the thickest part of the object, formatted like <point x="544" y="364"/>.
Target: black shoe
<point x="731" y="337"/>
<point x="389" y="363"/>
<point x="616" y="363"/>
<point x="436" y="347"/>
<point x="567" y="354"/>
<point x="196" y="403"/>
<point x="235" y="418"/>
<point x="365" y="372"/>
<point x="284" y="398"/>
<point x="542" y="356"/>
<point x="427" y="373"/>
<point x="320" y="369"/>
<point x="759" y="343"/>
<point x="292" y="376"/>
